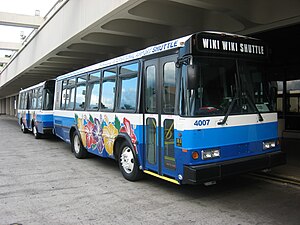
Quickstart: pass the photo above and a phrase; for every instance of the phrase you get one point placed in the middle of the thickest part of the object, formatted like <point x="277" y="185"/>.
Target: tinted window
<point x="150" y="89"/>
<point x="80" y="96"/>
<point x="95" y="76"/>
<point x="93" y="96"/>
<point x="131" y="68"/>
<point x="34" y="99"/>
<point x="169" y="88"/>
<point x="110" y="72"/>
<point x="39" y="97"/>
<point x="128" y="86"/>
<point x="128" y="92"/>
<point x="108" y="94"/>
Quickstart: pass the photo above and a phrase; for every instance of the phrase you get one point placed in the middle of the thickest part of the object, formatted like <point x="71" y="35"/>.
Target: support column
<point x="7" y="106"/>
<point x="12" y="106"/>
<point x="0" y="106"/>
<point x="3" y="101"/>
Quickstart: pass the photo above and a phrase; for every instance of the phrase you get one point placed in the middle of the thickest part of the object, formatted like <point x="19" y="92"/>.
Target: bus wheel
<point x="79" y="151"/>
<point x="35" y="132"/>
<point x="128" y="163"/>
<point x="23" y="128"/>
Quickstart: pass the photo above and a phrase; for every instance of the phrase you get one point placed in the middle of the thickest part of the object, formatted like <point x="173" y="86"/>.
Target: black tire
<point x="35" y="132"/>
<point x="128" y="163"/>
<point x="23" y="128"/>
<point x="77" y="148"/>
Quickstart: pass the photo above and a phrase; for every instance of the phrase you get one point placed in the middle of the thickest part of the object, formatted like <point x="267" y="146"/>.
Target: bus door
<point x="159" y="100"/>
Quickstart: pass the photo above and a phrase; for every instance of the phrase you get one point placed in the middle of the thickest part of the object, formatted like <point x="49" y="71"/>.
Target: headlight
<point x="210" y="154"/>
<point x="269" y="144"/>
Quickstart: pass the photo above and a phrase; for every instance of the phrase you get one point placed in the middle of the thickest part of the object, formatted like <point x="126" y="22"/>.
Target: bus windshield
<point x="227" y="86"/>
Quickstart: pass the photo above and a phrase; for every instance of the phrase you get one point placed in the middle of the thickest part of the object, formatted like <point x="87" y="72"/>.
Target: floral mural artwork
<point x="109" y="135"/>
<point x="89" y="134"/>
<point x="81" y="130"/>
<point x="99" y="134"/>
<point x="128" y="129"/>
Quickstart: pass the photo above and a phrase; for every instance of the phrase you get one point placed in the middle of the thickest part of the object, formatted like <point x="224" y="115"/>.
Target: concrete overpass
<point x="82" y="32"/>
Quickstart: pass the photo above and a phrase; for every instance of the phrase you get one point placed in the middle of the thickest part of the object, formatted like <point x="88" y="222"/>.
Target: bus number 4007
<point x="201" y="122"/>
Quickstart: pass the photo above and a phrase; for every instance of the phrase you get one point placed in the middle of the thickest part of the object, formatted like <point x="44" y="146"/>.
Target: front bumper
<point x="217" y="171"/>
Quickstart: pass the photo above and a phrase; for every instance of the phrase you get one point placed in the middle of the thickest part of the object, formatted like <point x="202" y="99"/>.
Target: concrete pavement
<point x="41" y="182"/>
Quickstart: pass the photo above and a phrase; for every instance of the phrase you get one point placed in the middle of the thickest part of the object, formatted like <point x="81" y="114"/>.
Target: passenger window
<point x="108" y="94"/>
<point x="93" y="96"/>
<point x="39" y="98"/>
<point x="131" y="68"/>
<point x="63" y="94"/>
<point x="80" y="96"/>
<point x="128" y="86"/>
<point x="93" y="91"/>
<point x="70" y="97"/>
<point x="110" y="72"/>
<point x="108" y="89"/>
<point x="150" y="89"/>
<point x="29" y="99"/>
<point x="95" y="76"/>
<point x="34" y="99"/>
<point x="128" y="93"/>
<point x="168" y="94"/>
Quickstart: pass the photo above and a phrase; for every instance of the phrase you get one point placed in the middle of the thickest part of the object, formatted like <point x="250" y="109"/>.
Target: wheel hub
<point x="127" y="160"/>
<point x="76" y="144"/>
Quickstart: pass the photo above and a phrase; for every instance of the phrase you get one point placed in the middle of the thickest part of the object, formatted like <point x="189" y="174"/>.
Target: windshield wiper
<point x="229" y="110"/>
<point x="254" y="106"/>
<point x="232" y="104"/>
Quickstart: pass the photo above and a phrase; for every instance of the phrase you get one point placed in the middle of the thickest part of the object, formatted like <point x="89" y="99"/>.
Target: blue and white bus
<point x="35" y="108"/>
<point x="192" y="110"/>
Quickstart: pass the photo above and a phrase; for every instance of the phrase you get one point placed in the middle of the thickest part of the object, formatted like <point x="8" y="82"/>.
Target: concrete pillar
<point x="7" y="106"/>
<point x="12" y="106"/>
<point x="4" y="106"/>
<point x="2" y="102"/>
<point x="0" y="106"/>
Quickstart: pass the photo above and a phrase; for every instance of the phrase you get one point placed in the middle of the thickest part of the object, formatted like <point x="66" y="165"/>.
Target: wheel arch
<point x="72" y="130"/>
<point x="120" y="139"/>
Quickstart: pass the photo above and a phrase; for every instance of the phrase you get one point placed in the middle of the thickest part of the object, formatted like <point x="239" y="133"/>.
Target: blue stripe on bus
<point x="207" y="138"/>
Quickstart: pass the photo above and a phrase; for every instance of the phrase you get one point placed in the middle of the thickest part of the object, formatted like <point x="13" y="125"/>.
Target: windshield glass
<point x="224" y="82"/>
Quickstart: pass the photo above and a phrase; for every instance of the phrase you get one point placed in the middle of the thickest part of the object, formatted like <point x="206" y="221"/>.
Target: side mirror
<point x="192" y="76"/>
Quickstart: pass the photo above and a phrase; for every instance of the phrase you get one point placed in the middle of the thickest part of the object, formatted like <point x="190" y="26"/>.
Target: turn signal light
<point x="195" y="155"/>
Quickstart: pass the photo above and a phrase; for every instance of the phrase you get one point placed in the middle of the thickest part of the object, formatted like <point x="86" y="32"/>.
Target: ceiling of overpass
<point x="140" y="23"/>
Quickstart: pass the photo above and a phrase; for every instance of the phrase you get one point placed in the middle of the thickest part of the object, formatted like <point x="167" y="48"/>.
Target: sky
<point x="27" y="7"/>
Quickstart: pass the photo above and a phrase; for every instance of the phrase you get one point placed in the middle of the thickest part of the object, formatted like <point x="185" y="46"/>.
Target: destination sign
<point x="231" y="45"/>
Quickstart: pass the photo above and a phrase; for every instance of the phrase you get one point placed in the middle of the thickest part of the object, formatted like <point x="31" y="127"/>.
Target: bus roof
<point x="173" y="44"/>
<point x="35" y="86"/>
<point x="177" y="43"/>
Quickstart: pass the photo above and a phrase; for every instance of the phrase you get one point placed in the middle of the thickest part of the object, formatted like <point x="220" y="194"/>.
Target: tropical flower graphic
<point x="97" y="135"/>
<point x="81" y="131"/>
<point x="89" y="134"/>
<point x="128" y="129"/>
<point x="109" y="134"/>
<point x="100" y="134"/>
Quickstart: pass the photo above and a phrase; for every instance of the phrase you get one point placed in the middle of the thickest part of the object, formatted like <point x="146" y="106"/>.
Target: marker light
<point x="195" y="155"/>
<point x="269" y="144"/>
<point x="210" y="154"/>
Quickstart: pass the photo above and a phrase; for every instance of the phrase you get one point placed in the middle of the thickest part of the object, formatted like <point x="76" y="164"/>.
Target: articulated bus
<point x="35" y="109"/>
<point x="192" y="110"/>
